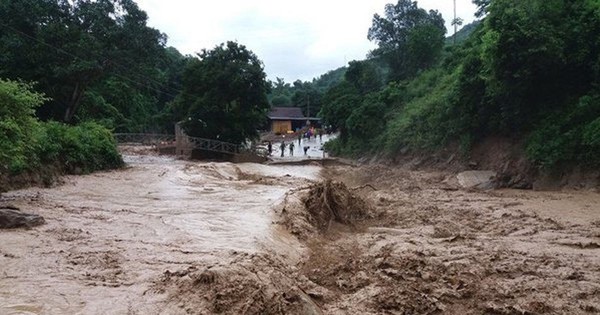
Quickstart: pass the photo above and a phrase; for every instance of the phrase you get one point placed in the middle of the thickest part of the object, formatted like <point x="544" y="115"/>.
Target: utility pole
<point x="455" y="24"/>
<point x="308" y="106"/>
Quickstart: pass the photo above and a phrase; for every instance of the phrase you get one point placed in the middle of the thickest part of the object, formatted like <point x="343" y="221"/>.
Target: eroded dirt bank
<point x="436" y="249"/>
<point x="174" y="237"/>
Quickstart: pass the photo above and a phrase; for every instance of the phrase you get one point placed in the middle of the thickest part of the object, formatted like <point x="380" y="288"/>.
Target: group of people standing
<point x="282" y="148"/>
<point x="307" y="134"/>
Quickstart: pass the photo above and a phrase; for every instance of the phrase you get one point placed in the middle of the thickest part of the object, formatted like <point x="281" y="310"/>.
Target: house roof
<point x="286" y="113"/>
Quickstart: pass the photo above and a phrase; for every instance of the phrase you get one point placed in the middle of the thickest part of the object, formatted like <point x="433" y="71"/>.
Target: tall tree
<point x="364" y="76"/>
<point x="307" y="97"/>
<point x="537" y="54"/>
<point x="68" y="46"/>
<point x="482" y="7"/>
<point x="224" y="94"/>
<point x="409" y="38"/>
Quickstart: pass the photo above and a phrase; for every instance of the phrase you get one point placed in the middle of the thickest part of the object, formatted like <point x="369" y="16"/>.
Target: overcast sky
<point x="294" y="39"/>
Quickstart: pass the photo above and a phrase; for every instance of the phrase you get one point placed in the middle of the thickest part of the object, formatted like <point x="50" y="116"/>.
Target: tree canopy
<point x="410" y="39"/>
<point x="98" y="56"/>
<point x="224" y="94"/>
<point x="529" y="70"/>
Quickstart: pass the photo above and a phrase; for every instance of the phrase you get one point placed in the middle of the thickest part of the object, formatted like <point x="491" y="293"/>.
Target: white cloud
<point x="294" y="39"/>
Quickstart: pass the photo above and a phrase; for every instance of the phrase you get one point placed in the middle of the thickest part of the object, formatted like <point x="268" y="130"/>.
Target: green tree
<point x="307" y="97"/>
<point x="536" y="56"/>
<point x="364" y="76"/>
<point x="18" y="125"/>
<point x="338" y="104"/>
<point x="482" y="7"/>
<point x="224" y="94"/>
<point x="281" y="101"/>
<point x="281" y="93"/>
<point x="410" y="39"/>
<point x="26" y="144"/>
<point x="69" y="46"/>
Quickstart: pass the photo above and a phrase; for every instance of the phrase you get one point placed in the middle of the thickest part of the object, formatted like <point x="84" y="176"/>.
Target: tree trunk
<point x="74" y="102"/>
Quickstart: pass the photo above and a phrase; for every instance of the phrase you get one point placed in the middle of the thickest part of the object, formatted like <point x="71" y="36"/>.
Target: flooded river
<point x="109" y="235"/>
<point x="166" y="236"/>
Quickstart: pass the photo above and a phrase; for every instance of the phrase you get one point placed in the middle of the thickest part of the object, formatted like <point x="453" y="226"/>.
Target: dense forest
<point x="94" y="60"/>
<point x="529" y="71"/>
<point x="72" y="72"/>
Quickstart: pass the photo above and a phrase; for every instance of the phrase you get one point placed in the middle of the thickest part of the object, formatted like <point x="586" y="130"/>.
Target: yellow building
<point x="285" y="119"/>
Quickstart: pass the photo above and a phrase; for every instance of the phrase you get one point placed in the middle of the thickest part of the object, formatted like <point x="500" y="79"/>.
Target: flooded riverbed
<point x="166" y="236"/>
<point x="109" y="235"/>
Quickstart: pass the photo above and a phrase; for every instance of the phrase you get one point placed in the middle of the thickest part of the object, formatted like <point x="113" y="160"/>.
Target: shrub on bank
<point x="18" y="126"/>
<point x="79" y="149"/>
<point x="26" y="144"/>
<point x="568" y="136"/>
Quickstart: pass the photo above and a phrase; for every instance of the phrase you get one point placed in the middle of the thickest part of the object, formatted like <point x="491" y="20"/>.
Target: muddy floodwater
<point x="108" y="235"/>
<point x="166" y="236"/>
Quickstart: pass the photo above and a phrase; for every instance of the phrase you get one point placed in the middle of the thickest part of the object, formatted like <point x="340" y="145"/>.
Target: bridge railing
<point x="144" y="138"/>
<point x="181" y="140"/>
<point x="214" y="145"/>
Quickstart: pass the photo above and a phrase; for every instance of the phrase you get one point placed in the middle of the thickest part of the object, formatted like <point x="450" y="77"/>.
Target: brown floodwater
<point x="109" y="235"/>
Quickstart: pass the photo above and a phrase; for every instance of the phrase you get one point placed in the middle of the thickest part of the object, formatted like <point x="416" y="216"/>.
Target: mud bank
<point x="175" y="237"/>
<point x="504" y="156"/>
<point x="416" y="244"/>
<point x="438" y="249"/>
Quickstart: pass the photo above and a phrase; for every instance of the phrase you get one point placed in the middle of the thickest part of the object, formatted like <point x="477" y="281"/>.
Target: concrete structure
<point x="182" y="144"/>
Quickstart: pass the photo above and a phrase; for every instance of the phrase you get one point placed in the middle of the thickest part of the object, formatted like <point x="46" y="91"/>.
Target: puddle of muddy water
<point x="108" y="234"/>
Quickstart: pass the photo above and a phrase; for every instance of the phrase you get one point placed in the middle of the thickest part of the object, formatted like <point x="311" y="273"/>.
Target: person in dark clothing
<point x="270" y="148"/>
<point x="282" y="146"/>
<point x="306" y="149"/>
<point x="292" y="148"/>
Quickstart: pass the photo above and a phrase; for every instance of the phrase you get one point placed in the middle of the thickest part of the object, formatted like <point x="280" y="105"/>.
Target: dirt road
<point x="174" y="237"/>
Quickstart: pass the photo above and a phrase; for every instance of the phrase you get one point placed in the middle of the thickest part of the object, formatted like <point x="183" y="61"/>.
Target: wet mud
<point x="439" y="249"/>
<point x="174" y="237"/>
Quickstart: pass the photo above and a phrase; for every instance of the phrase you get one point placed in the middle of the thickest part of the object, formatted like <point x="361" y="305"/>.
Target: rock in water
<point x="477" y="179"/>
<point x="11" y="218"/>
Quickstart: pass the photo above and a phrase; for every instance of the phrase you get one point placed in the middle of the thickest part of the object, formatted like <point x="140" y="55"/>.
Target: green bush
<point x="425" y="121"/>
<point x="18" y="126"/>
<point x="27" y="144"/>
<point x="80" y="149"/>
<point x="569" y="136"/>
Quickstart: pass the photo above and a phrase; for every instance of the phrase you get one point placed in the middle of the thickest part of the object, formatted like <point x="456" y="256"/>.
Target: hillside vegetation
<point x="45" y="149"/>
<point x="528" y="72"/>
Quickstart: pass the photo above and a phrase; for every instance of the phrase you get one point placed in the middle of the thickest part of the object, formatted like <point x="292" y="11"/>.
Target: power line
<point x="115" y="63"/>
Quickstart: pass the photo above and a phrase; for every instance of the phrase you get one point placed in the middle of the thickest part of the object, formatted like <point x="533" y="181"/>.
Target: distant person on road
<point x="321" y="135"/>
<point x="292" y="148"/>
<point x="270" y="148"/>
<point x="282" y="146"/>
<point x="299" y="138"/>
<point x="306" y="149"/>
